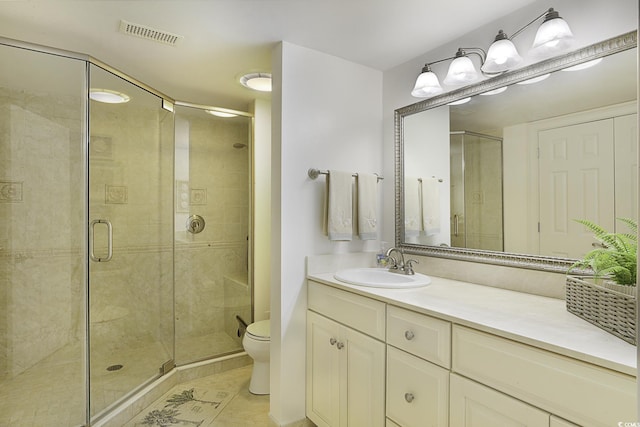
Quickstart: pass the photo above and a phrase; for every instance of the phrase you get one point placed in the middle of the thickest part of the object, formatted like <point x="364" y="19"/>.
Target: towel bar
<point x="439" y="179"/>
<point x="314" y="173"/>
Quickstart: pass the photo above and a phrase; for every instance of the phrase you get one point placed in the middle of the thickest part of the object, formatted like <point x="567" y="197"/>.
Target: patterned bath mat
<point x="184" y="406"/>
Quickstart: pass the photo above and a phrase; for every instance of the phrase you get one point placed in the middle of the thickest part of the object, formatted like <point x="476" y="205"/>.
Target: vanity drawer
<point x="577" y="391"/>
<point x="424" y="336"/>
<point x="417" y="391"/>
<point x="361" y="313"/>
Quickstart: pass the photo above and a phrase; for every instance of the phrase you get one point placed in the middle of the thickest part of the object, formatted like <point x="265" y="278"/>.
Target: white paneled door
<point x="576" y="172"/>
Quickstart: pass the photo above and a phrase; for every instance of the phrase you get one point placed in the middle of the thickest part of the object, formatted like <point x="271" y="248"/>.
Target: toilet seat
<point x="260" y="331"/>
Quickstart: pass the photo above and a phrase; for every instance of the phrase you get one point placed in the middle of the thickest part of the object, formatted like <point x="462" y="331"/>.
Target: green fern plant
<point x="617" y="257"/>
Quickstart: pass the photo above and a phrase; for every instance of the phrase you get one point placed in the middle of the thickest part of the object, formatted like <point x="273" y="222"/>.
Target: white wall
<point x="261" y="181"/>
<point x="326" y="114"/>
<point x="590" y="21"/>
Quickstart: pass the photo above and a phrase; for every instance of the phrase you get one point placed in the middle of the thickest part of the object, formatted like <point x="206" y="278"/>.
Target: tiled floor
<point x="238" y="407"/>
<point x="55" y="386"/>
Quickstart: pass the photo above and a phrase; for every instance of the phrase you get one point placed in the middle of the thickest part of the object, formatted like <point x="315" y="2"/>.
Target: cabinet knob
<point x="409" y="335"/>
<point x="340" y="345"/>
<point x="332" y="341"/>
<point x="409" y="397"/>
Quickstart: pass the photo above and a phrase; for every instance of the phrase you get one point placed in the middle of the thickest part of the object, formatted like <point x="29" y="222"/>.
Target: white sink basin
<point x="381" y="278"/>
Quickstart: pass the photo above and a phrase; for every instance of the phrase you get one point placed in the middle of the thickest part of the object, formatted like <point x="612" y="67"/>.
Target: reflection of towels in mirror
<point x="412" y="212"/>
<point x="430" y="206"/>
<point x="338" y="213"/>
<point x="367" y="206"/>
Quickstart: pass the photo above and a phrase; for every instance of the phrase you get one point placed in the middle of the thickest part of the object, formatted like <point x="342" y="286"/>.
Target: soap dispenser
<point x="381" y="256"/>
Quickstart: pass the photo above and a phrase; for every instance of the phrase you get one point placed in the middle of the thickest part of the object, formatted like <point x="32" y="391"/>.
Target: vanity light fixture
<point x="553" y="36"/>
<point x="108" y="96"/>
<point x="257" y="81"/>
<point x="461" y="71"/>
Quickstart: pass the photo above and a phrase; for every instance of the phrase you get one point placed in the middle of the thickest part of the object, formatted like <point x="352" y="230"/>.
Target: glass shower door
<point x="130" y="240"/>
<point x="42" y="239"/>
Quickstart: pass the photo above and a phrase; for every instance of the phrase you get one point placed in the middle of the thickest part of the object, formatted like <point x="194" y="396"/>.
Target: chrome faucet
<point x="399" y="265"/>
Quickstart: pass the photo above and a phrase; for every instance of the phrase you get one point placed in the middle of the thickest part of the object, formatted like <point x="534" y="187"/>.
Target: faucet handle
<point x="408" y="266"/>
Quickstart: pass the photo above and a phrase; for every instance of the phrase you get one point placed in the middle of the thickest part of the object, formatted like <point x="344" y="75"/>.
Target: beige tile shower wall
<point x="131" y="186"/>
<point x="483" y="193"/>
<point x="219" y="184"/>
<point x="40" y="228"/>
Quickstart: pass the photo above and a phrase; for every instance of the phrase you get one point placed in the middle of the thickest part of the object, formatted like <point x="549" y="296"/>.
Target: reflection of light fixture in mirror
<point x="584" y="65"/>
<point x="495" y="91"/>
<point x="552" y="37"/>
<point x="460" y="101"/>
<point x="108" y="96"/>
<point x="223" y="114"/>
<point x="257" y="81"/>
<point x="461" y="71"/>
<point x="534" y="80"/>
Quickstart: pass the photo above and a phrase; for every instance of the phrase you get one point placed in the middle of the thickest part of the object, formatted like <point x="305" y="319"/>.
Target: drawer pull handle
<point x="340" y="345"/>
<point x="409" y="335"/>
<point x="332" y="341"/>
<point x="409" y="397"/>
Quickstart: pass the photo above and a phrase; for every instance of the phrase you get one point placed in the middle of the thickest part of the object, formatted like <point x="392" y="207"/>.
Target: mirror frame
<point x="537" y="262"/>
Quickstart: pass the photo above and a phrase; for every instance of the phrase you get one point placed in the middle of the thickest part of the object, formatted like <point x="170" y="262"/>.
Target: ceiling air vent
<point x="149" y="33"/>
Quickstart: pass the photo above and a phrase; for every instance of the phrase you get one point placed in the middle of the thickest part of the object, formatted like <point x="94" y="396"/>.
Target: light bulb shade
<point x="461" y="71"/>
<point x="427" y="85"/>
<point x="553" y="36"/>
<point x="502" y="56"/>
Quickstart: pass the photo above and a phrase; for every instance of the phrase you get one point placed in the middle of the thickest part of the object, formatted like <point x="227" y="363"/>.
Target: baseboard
<point x="305" y="422"/>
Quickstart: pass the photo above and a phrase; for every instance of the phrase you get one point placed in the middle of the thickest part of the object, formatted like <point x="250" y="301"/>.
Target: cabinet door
<point x="417" y="391"/>
<point x="474" y="405"/>
<point x="323" y="370"/>
<point x="362" y="366"/>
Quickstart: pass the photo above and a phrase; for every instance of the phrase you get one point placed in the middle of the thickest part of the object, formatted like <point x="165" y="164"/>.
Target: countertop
<point x="539" y="321"/>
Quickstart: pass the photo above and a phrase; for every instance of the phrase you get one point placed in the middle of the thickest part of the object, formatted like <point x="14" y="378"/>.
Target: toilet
<point x="256" y="342"/>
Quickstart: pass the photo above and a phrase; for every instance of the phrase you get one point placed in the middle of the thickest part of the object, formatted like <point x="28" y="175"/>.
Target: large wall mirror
<point x="501" y="177"/>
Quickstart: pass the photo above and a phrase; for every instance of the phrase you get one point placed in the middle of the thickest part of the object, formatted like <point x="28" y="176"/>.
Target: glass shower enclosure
<point x="93" y="302"/>
<point x="476" y="191"/>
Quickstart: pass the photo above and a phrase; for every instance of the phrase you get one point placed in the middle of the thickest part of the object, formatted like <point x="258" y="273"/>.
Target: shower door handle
<point x="456" y="223"/>
<point x="92" y="227"/>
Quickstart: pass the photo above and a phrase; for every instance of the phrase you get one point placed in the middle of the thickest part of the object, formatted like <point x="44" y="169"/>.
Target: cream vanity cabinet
<point x="345" y="364"/>
<point x="498" y="379"/>
<point x="418" y="361"/>
<point x="443" y="374"/>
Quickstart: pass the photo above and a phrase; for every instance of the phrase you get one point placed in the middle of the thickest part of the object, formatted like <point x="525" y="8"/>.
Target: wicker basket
<point x="613" y="311"/>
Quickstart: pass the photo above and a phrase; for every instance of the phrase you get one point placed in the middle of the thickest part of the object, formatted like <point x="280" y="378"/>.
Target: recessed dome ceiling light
<point x="221" y="114"/>
<point x="257" y="81"/>
<point x="108" y="96"/>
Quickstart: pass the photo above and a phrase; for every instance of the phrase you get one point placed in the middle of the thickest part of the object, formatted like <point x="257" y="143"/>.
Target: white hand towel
<point x="338" y="212"/>
<point x="430" y="206"/>
<point x="367" y="206"/>
<point x="412" y="213"/>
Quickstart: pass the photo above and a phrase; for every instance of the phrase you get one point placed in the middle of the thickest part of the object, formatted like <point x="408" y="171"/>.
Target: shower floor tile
<point x="51" y="393"/>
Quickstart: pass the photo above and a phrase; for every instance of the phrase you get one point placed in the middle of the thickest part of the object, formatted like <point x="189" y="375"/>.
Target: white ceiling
<point x="224" y="39"/>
